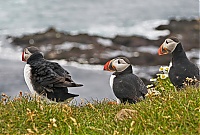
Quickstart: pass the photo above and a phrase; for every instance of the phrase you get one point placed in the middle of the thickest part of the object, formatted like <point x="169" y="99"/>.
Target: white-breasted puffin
<point x="46" y="78"/>
<point x="126" y="86"/>
<point x="181" y="67"/>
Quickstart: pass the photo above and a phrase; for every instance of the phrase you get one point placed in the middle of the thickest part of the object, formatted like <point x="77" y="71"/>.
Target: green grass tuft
<point x="170" y="113"/>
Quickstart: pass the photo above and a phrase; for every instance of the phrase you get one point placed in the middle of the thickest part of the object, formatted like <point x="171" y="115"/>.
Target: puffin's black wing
<point x="51" y="74"/>
<point x="194" y="71"/>
<point x="129" y="86"/>
<point x="60" y="71"/>
<point x="180" y="71"/>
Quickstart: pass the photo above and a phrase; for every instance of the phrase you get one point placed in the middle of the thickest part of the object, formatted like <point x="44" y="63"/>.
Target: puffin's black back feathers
<point x="128" y="87"/>
<point x="50" y="79"/>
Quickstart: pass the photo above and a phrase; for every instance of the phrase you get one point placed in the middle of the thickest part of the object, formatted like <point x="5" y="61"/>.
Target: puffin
<point x="181" y="67"/>
<point x="127" y="87"/>
<point x="45" y="78"/>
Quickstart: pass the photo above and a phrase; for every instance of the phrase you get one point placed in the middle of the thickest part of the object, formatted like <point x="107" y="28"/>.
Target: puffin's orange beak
<point x="106" y="66"/>
<point x="109" y="67"/>
<point x="162" y="51"/>
<point x="23" y="57"/>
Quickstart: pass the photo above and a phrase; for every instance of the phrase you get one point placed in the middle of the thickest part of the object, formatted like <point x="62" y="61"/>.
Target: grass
<point x="170" y="113"/>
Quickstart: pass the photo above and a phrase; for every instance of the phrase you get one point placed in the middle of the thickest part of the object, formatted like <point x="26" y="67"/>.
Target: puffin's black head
<point x="28" y="52"/>
<point x="168" y="46"/>
<point x="117" y="65"/>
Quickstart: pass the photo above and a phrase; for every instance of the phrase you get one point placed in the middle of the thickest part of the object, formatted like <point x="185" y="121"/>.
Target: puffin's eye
<point x="167" y="42"/>
<point x="25" y="52"/>
<point x="119" y="62"/>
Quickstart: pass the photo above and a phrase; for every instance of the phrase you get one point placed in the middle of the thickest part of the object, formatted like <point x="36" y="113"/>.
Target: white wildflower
<point x="153" y="80"/>
<point x="164" y="69"/>
<point x="150" y="85"/>
<point x="163" y="76"/>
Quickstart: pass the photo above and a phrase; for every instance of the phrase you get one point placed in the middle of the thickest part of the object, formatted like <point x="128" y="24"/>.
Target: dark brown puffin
<point x="181" y="67"/>
<point x="46" y="78"/>
<point x="126" y="86"/>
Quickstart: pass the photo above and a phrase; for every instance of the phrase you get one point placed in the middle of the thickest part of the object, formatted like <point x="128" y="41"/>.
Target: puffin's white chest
<point x="111" y="85"/>
<point x="112" y="80"/>
<point x="27" y="77"/>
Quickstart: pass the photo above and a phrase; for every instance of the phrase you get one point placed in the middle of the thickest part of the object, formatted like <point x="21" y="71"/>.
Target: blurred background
<point x="82" y="35"/>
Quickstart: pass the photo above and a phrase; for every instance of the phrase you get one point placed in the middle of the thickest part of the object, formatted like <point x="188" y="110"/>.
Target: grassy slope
<point x="170" y="113"/>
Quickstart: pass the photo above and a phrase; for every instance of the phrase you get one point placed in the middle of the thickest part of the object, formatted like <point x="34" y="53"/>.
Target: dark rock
<point x="85" y="48"/>
<point x="186" y="30"/>
<point x="53" y="37"/>
<point x="131" y="41"/>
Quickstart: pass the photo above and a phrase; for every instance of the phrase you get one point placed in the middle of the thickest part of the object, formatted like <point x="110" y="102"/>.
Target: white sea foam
<point x="145" y="28"/>
<point x="78" y="65"/>
<point x="105" y="42"/>
<point x="66" y="46"/>
<point x="148" y="49"/>
<point x="8" y="51"/>
<point x="111" y="54"/>
<point x="70" y="45"/>
<point x="21" y="31"/>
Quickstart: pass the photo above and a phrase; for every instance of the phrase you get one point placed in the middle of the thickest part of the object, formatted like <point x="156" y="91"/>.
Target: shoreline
<point x="96" y="50"/>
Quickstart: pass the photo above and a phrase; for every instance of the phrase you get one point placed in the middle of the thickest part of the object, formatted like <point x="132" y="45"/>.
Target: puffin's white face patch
<point x="120" y="65"/>
<point x="170" y="44"/>
<point x="27" y="77"/>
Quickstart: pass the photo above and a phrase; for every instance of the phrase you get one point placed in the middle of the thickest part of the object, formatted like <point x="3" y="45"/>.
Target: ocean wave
<point x="66" y="46"/>
<point x="9" y="52"/>
<point x="105" y="42"/>
<point x="149" y="49"/>
<point x="19" y="32"/>
<point x="145" y="28"/>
